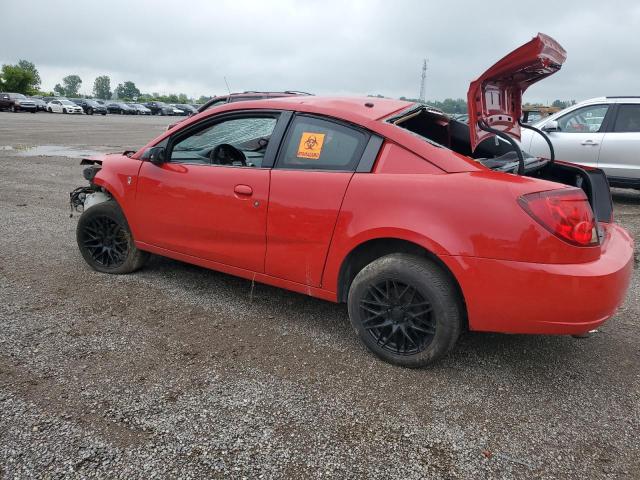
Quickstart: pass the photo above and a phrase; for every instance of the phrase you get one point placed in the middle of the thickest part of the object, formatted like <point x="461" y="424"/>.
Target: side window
<point x="238" y="142"/>
<point x="583" y="120"/>
<point x="315" y="144"/>
<point x="628" y="119"/>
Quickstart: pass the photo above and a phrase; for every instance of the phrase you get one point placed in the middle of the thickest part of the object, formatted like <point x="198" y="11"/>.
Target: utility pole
<point x="423" y="80"/>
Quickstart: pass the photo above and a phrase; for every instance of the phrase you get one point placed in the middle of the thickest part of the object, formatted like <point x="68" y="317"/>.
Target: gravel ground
<point x="177" y="371"/>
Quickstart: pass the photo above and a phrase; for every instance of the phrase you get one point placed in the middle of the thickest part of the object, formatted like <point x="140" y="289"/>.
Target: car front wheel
<point x="405" y="309"/>
<point x="105" y="240"/>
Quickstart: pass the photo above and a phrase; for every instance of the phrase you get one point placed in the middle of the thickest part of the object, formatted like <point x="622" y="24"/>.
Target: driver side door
<point x="216" y="211"/>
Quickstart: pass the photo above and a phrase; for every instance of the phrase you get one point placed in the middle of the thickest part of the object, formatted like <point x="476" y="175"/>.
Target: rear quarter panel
<point x="472" y="214"/>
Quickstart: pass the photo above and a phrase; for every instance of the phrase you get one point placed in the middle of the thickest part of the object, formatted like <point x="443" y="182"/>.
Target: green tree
<point x="70" y="85"/>
<point x="559" y="104"/>
<point x="127" y="90"/>
<point x="30" y="67"/>
<point x="14" y="78"/>
<point x="102" y="87"/>
<point x="59" y="89"/>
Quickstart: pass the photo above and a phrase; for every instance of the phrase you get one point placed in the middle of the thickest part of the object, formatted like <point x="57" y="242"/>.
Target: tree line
<point x="24" y="78"/>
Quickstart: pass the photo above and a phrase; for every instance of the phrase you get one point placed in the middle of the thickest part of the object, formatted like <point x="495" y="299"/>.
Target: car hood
<point x="495" y="97"/>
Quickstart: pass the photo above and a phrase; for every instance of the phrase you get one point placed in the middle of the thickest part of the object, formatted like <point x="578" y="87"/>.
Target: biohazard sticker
<point x="310" y="145"/>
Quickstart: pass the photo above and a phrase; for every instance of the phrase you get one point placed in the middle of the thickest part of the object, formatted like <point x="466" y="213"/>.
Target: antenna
<point x="227" y="83"/>
<point x="423" y="79"/>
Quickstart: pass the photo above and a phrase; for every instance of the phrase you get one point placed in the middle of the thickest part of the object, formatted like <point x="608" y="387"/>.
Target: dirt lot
<point x="177" y="371"/>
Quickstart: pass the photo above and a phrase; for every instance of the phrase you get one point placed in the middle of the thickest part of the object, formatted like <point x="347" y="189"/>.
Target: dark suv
<point x="242" y="97"/>
<point x="89" y="106"/>
<point x="159" y="108"/>
<point x="248" y="95"/>
<point x="17" y="102"/>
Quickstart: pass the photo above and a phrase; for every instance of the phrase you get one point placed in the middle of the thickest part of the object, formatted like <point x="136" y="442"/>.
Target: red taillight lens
<point x="566" y="213"/>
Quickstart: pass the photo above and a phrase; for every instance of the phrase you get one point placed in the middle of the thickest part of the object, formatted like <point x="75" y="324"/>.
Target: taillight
<point x="566" y="213"/>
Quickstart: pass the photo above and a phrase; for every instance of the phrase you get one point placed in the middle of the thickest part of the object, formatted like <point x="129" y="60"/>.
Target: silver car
<point x="602" y="132"/>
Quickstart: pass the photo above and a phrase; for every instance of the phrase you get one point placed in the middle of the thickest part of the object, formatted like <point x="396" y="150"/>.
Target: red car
<point x="379" y="204"/>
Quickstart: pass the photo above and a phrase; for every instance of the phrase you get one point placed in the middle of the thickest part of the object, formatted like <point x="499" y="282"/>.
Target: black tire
<point x="104" y="113"/>
<point x="34" y="111"/>
<point x="64" y="110"/>
<point x="14" y="109"/>
<point x="105" y="241"/>
<point x="121" y="112"/>
<point x="406" y="310"/>
<point x="49" y="109"/>
<point x="90" y="111"/>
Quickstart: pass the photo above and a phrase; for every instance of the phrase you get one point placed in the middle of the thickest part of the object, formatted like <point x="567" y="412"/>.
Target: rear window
<point x="628" y="119"/>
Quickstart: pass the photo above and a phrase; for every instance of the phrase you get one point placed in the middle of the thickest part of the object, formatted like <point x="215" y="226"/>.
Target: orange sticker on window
<point x="310" y="145"/>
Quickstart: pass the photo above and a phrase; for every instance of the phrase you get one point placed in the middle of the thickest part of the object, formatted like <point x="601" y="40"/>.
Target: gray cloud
<point x="326" y="47"/>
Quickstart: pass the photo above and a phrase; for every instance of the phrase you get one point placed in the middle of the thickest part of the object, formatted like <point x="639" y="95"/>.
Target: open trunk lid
<point x="495" y="98"/>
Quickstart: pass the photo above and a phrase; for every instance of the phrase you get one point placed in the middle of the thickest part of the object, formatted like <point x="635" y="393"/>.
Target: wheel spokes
<point x="397" y="316"/>
<point x="106" y="241"/>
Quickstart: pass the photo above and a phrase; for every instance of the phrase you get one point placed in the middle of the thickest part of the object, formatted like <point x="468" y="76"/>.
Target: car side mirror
<point x="551" y="126"/>
<point x="157" y="155"/>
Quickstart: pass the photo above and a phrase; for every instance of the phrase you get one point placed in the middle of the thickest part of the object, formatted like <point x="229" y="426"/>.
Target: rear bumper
<point x="519" y="297"/>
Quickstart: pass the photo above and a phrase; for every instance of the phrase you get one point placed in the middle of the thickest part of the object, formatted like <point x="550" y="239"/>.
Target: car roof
<point x="356" y="109"/>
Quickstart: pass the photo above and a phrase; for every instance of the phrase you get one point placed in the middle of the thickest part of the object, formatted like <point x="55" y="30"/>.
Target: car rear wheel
<point x="405" y="309"/>
<point x="64" y="110"/>
<point x="105" y="240"/>
<point x="90" y="111"/>
<point x="14" y="109"/>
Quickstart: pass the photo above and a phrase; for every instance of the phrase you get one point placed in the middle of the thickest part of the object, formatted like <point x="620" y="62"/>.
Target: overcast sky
<point x="324" y="47"/>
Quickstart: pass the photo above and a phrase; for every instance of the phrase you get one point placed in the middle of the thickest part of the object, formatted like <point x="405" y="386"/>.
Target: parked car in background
<point x="159" y="108"/>
<point x="601" y="132"/>
<point x="248" y="95"/>
<point x="141" y="109"/>
<point x="63" y="106"/>
<point x="17" y="102"/>
<point x="102" y="102"/>
<point x="187" y="109"/>
<point x="121" y="108"/>
<point x="242" y="97"/>
<point x="49" y="99"/>
<point x="373" y="202"/>
<point x="90" y="106"/>
<point x="41" y="105"/>
<point x="531" y="115"/>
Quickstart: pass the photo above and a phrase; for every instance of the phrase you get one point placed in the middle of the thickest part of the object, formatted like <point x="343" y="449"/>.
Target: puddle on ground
<point x="50" y="151"/>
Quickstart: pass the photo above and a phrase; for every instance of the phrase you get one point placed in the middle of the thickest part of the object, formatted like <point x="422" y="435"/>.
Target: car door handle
<point x="589" y="143"/>
<point x="243" y="190"/>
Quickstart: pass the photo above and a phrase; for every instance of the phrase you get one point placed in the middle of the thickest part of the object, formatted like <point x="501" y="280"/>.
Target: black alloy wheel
<point x="406" y="309"/>
<point x="106" y="241"/>
<point x="398" y="317"/>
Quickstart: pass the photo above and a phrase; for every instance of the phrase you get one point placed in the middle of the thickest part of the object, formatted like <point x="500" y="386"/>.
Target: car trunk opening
<point x="498" y="154"/>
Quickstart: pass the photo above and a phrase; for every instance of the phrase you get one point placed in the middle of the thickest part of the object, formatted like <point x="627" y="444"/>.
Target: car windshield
<point x="19" y="95"/>
<point x="91" y="103"/>
<point x="67" y="102"/>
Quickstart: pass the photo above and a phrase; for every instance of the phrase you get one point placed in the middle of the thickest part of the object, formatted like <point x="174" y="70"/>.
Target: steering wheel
<point x="226" y="154"/>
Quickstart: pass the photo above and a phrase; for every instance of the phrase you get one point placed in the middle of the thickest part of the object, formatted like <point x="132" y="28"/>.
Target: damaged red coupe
<point x="423" y="226"/>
